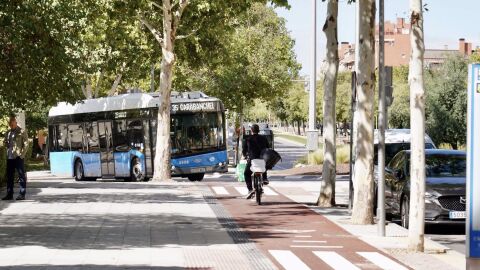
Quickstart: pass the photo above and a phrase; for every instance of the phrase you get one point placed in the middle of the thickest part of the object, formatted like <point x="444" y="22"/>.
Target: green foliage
<point x="37" y="40"/>
<point x="447" y="102"/>
<point x="258" y="61"/>
<point x="399" y="111"/>
<point x="297" y="104"/>
<point x="316" y="158"/>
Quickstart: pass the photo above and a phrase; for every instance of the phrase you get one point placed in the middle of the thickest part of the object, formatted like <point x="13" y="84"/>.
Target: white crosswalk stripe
<point x="220" y="190"/>
<point x="288" y="260"/>
<point x="269" y="191"/>
<point x="382" y="261"/>
<point x="335" y="261"/>
<point x="242" y="190"/>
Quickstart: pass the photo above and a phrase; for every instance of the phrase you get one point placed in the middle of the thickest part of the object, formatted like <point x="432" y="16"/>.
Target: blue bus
<point x="115" y="137"/>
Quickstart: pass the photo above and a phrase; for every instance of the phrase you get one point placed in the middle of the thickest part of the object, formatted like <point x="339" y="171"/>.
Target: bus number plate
<point x="198" y="170"/>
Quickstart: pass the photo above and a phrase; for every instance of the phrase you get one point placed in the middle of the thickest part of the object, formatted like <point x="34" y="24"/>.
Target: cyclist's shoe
<point x="250" y="194"/>
<point x="265" y="182"/>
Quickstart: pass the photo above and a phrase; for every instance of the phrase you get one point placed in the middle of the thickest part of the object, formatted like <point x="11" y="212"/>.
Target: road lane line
<point x="303" y="236"/>
<point x="308" y="241"/>
<point x="220" y="190"/>
<point x="269" y="191"/>
<point x="335" y="261"/>
<point x="242" y="190"/>
<point x="288" y="260"/>
<point x="382" y="261"/>
<point x="299" y="246"/>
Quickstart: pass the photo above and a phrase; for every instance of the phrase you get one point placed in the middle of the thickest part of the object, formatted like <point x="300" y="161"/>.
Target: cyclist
<point x="252" y="149"/>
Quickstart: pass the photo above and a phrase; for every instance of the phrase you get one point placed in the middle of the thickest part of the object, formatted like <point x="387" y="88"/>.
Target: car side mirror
<point x="398" y="174"/>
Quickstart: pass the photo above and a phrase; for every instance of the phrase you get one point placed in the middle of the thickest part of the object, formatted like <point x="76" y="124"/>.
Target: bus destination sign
<point x="195" y="107"/>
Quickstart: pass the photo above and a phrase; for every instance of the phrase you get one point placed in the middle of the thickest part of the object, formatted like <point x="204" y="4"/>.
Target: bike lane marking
<point x="288" y="260"/>
<point x="279" y="221"/>
<point x="220" y="191"/>
<point x="335" y="260"/>
<point x="382" y="261"/>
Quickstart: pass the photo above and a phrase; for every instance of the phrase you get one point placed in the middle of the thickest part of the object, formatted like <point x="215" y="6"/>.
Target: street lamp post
<point x="312" y="134"/>
<point x="381" y="121"/>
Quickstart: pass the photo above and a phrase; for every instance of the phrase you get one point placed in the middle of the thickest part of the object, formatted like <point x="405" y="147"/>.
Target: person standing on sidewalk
<point x="16" y="143"/>
<point x="252" y="149"/>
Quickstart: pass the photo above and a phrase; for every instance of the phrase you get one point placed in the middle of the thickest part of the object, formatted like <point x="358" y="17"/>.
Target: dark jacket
<point x="254" y="146"/>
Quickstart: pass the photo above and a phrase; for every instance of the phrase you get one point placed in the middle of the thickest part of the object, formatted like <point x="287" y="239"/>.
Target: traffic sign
<point x="473" y="163"/>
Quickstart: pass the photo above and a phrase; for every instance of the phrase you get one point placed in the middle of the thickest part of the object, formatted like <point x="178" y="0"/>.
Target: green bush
<point x="316" y="158"/>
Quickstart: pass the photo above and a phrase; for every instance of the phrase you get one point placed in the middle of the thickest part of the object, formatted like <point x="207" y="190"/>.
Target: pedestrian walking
<point x="16" y="143"/>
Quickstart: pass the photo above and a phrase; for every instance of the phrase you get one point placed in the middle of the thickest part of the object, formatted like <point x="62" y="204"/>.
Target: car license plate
<point x="457" y="215"/>
<point x="197" y="170"/>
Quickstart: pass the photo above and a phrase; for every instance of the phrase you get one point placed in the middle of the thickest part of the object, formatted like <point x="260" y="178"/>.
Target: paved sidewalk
<point x="114" y="225"/>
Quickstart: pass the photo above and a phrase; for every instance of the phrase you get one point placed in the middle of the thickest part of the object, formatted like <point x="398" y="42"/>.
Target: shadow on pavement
<point x="91" y="267"/>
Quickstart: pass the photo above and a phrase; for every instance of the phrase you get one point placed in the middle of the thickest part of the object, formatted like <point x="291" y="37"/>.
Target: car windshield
<point x="445" y="166"/>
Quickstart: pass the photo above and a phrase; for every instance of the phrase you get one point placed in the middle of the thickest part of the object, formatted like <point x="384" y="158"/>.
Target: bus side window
<point x="92" y="137"/>
<point x="135" y="134"/>
<point x="120" y="136"/>
<point x="76" y="137"/>
<point x="62" y="138"/>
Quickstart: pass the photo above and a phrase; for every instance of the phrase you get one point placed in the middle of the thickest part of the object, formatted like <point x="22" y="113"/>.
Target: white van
<point x="397" y="140"/>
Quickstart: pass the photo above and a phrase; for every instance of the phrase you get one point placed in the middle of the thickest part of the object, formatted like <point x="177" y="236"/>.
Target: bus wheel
<point x="136" y="173"/>
<point x="196" y="177"/>
<point x="79" y="175"/>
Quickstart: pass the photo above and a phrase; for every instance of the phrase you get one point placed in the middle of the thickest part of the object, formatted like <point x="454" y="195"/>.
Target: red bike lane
<point x="295" y="237"/>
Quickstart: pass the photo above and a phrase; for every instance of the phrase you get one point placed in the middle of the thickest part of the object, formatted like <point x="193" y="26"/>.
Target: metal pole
<point x="312" y="138"/>
<point x="352" y="106"/>
<point x="381" y="122"/>
<point x="353" y="137"/>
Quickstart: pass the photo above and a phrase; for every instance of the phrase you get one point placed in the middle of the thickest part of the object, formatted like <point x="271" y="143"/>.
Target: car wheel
<point x="405" y="211"/>
<point x="79" y="173"/>
<point x="196" y="177"/>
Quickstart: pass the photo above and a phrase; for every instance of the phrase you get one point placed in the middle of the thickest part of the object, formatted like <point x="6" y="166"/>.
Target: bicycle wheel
<point x="258" y="188"/>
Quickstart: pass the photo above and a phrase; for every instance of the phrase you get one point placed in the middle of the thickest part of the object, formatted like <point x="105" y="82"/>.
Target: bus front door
<point x="106" y="148"/>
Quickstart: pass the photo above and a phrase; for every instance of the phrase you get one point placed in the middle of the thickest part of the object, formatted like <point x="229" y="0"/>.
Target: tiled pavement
<point x="114" y="225"/>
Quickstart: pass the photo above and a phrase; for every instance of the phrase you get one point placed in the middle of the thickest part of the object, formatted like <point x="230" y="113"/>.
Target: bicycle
<point x="258" y="168"/>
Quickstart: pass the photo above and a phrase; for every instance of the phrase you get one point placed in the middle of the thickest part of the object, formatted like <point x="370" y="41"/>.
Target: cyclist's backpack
<point x="271" y="158"/>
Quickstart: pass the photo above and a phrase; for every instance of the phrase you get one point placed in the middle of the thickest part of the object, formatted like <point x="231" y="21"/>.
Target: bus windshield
<point x="197" y="133"/>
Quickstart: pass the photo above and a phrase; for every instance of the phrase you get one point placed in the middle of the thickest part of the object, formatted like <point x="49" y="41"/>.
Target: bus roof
<point x="125" y="102"/>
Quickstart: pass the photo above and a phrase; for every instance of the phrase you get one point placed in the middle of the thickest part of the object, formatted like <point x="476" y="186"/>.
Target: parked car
<point x="397" y="140"/>
<point x="445" y="196"/>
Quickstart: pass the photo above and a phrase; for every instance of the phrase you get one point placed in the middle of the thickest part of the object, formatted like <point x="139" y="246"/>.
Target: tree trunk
<point x="152" y="78"/>
<point x="362" y="212"/>
<point x="417" y="124"/>
<point x="97" y="85"/>
<point x="115" y="84"/>
<point x="327" y="190"/>
<point x="88" y="89"/>
<point x="162" y="152"/>
<point x="298" y="127"/>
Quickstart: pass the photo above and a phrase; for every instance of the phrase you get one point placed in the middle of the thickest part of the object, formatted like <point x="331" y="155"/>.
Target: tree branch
<point x="187" y="35"/>
<point x="152" y="29"/>
<point x="157" y="5"/>
<point x="178" y="14"/>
